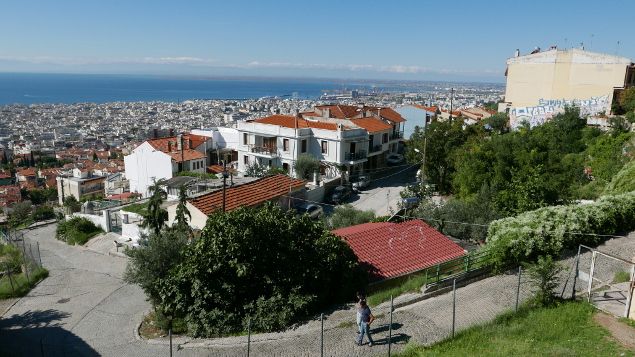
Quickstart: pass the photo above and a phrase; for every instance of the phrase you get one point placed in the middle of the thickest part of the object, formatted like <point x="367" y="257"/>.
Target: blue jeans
<point x="364" y="329"/>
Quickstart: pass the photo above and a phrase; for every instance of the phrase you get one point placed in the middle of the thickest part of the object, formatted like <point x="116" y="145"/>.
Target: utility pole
<point x="224" y="184"/>
<point x="451" y="102"/>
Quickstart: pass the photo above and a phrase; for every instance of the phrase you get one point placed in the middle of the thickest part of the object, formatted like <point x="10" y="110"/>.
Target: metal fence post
<point x="629" y="300"/>
<point x="591" y="275"/>
<point x="520" y="269"/>
<point x="26" y="264"/>
<point x="453" y="305"/>
<point x="31" y="252"/>
<point x="39" y="256"/>
<point x="577" y="271"/>
<point x="322" y="335"/>
<point x="390" y="327"/>
<point x="170" y="334"/>
<point x="248" y="335"/>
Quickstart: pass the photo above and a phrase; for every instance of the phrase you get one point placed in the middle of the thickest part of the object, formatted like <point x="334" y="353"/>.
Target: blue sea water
<point x="29" y="88"/>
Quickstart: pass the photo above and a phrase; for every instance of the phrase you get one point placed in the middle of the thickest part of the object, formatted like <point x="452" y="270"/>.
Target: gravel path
<point x="84" y="308"/>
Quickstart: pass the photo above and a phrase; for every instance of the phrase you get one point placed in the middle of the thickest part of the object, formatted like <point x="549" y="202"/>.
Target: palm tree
<point x="182" y="213"/>
<point x="156" y="216"/>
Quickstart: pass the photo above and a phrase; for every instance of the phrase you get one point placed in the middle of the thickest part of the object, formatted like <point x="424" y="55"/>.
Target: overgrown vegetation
<point x="14" y="282"/>
<point x="77" y="230"/>
<point x="549" y="230"/>
<point x="566" y="329"/>
<point x="347" y="215"/>
<point x="305" y="166"/>
<point x="262" y="264"/>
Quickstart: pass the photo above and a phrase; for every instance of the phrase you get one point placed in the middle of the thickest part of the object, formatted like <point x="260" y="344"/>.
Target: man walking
<point x="366" y="318"/>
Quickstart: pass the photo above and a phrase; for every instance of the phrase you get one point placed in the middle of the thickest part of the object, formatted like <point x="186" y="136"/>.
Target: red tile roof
<point x="250" y="194"/>
<point x="432" y="109"/>
<point x="371" y="124"/>
<point x="170" y="143"/>
<point x="186" y="155"/>
<point x="26" y="172"/>
<point x="289" y="121"/>
<point x="340" y="111"/>
<point x="386" y="113"/>
<point x="394" y="249"/>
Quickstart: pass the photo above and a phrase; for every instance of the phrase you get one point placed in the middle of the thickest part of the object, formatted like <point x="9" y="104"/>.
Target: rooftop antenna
<point x="566" y="43"/>
<point x="617" y="48"/>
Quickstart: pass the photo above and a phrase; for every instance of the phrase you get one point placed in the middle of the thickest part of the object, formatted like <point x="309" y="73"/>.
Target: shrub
<point x="347" y="215"/>
<point x="262" y="263"/>
<point x="77" y="230"/>
<point x="549" y="230"/>
<point x="623" y="181"/>
<point x="42" y="213"/>
<point x="305" y="166"/>
<point x="543" y="276"/>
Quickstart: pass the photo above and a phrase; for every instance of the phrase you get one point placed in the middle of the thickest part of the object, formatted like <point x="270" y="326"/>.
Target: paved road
<point x="383" y="194"/>
<point x="84" y="308"/>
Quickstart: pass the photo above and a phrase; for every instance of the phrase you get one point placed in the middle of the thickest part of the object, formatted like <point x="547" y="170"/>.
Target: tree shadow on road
<point x="397" y="338"/>
<point x="40" y="333"/>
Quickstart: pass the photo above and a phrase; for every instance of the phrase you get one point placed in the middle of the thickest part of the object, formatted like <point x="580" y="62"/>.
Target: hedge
<point x="77" y="230"/>
<point x="550" y="230"/>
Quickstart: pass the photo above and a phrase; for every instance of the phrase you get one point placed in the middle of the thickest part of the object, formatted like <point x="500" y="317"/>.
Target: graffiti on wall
<point x="547" y="108"/>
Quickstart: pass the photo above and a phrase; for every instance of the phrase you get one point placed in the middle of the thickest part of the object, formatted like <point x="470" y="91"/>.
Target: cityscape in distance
<point x="316" y="179"/>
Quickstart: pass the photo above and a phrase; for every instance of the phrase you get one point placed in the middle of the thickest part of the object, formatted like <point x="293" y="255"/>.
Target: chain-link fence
<point x="604" y="280"/>
<point x="20" y="264"/>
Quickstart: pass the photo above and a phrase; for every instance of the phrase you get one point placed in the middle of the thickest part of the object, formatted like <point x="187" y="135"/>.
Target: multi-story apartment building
<point x="80" y="185"/>
<point x="356" y="137"/>
<point x="162" y="158"/>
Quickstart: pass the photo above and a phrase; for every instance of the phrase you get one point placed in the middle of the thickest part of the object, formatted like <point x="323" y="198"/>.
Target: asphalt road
<point x="382" y="196"/>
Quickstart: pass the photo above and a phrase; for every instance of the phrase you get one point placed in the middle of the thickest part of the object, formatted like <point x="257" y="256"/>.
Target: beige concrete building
<point x="541" y="84"/>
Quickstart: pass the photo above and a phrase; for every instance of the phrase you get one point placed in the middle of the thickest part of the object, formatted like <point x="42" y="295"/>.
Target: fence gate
<point x="115" y="221"/>
<point x="606" y="281"/>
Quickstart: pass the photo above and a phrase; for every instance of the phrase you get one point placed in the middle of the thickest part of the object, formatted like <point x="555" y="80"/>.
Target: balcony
<point x="269" y="151"/>
<point x="355" y="156"/>
<point x="396" y="135"/>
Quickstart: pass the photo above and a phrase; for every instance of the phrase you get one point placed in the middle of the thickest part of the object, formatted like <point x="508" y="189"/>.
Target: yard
<point x="566" y="330"/>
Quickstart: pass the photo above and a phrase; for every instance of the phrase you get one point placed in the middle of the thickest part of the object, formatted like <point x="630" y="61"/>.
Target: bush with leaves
<point x="347" y="215"/>
<point x="305" y="166"/>
<point x="259" y="262"/>
<point x="623" y="181"/>
<point x="42" y="213"/>
<point x="77" y="230"/>
<point x="71" y="204"/>
<point x="543" y="276"/>
<point x="20" y="214"/>
<point x="550" y="230"/>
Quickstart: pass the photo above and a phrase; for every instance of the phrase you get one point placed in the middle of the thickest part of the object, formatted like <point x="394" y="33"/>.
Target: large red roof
<point x="290" y="121"/>
<point x="371" y="124"/>
<point x="250" y="194"/>
<point x="394" y="249"/>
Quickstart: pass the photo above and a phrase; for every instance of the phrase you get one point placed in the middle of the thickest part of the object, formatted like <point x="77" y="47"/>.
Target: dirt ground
<point x="620" y="331"/>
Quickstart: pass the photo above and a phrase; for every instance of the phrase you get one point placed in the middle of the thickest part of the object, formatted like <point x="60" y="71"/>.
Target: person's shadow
<point x="397" y="337"/>
<point x="39" y="333"/>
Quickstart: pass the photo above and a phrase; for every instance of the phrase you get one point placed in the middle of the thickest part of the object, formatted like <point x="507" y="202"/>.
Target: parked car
<point x="410" y="202"/>
<point x="394" y="159"/>
<point x="340" y="194"/>
<point x="360" y="183"/>
<point x="313" y="210"/>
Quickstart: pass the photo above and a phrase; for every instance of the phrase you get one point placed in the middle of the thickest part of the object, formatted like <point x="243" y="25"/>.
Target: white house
<point x="338" y="135"/>
<point x="162" y="158"/>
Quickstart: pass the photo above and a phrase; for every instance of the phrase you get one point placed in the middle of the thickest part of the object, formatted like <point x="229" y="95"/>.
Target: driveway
<point x="383" y="195"/>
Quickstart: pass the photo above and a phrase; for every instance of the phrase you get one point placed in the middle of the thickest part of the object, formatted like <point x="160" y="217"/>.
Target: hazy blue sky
<point x="453" y="40"/>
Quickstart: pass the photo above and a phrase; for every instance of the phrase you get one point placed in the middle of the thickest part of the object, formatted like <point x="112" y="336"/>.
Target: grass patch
<point x="567" y="329"/>
<point x="410" y="284"/>
<point x="21" y="285"/>
<point x="621" y="277"/>
<point x="155" y="325"/>
<point x="138" y="208"/>
<point x="346" y="324"/>
<point x="626" y="320"/>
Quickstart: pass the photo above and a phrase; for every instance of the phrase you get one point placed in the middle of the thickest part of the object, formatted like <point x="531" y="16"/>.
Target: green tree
<point x="256" y="170"/>
<point x="543" y="275"/>
<point x="153" y="260"/>
<point x="627" y="100"/>
<point x="497" y="122"/>
<point x="305" y="166"/>
<point x="347" y="215"/>
<point x="259" y="262"/>
<point x="71" y="204"/>
<point x="182" y="213"/>
<point x="95" y="158"/>
<point x="156" y="216"/>
<point x="20" y="213"/>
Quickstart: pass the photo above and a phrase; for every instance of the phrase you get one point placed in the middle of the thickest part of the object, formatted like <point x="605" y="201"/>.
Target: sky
<point x="418" y="40"/>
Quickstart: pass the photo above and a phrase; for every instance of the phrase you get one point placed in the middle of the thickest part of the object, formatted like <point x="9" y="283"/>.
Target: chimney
<point x="517" y="53"/>
<point x="179" y="142"/>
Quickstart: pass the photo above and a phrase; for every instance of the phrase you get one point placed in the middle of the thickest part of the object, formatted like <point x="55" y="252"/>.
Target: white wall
<point x="144" y="166"/>
<point x="197" y="221"/>
<point x="99" y="221"/>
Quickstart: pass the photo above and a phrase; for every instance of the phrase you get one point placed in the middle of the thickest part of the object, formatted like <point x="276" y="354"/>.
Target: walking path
<point x="85" y="308"/>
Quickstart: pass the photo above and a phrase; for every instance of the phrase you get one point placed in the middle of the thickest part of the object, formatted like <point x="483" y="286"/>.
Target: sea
<point x="30" y="88"/>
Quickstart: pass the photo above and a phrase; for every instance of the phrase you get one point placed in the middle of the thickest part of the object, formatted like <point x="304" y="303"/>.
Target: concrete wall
<point x="144" y="166"/>
<point x="197" y="221"/>
<point x="98" y="220"/>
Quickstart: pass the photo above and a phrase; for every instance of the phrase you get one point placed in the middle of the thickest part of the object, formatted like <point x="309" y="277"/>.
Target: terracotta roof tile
<point x="340" y="111"/>
<point x="250" y="194"/>
<point x="289" y="121"/>
<point x="170" y="143"/>
<point x="371" y="124"/>
<point x="187" y="155"/>
<point x="394" y="249"/>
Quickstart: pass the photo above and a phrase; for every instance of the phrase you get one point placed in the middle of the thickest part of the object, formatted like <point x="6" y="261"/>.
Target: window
<point x="246" y="160"/>
<point x="285" y="144"/>
<point x="245" y="139"/>
<point x="303" y="145"/>
<point x="325" y="147"/>
<point x="385" y="137"/>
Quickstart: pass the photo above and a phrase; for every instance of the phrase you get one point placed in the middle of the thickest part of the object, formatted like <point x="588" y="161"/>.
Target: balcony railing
<point x="354" y="156"/>
<point x="375" y="148"/>
<point x="396" y="135"/>
<point x="265" y="150"/>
